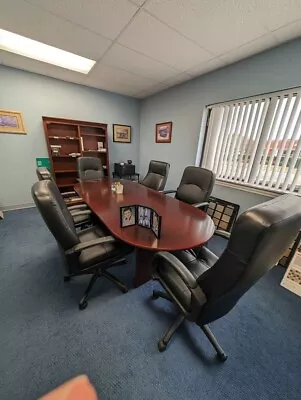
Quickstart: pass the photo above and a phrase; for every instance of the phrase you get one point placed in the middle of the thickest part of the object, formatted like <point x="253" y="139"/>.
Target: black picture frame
<point x="144" y="221"/>
<point x="123" y="209"/>
<point x="156" y="229"/>
<point x="153" y="220"/>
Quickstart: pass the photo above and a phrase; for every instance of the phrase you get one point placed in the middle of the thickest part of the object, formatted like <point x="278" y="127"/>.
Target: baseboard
<point x="17" y="207"/>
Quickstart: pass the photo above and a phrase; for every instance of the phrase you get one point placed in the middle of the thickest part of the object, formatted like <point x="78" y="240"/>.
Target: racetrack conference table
<point x="183" y="226"/>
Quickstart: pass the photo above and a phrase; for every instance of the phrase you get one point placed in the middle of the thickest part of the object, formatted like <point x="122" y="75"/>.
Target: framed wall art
<point x="163" y="132"/>
<point x="122" y="133"/>
<point x="11" y="122"/>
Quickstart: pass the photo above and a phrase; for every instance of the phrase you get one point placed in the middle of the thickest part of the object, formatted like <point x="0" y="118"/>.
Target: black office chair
<point x="205" y="287"/>
<point x="157" y="175"/>
<point x="195" y="187"/>
<point x="89" y="168"/>
<point x="91" y="251"/>
<point x="80" y="219"/>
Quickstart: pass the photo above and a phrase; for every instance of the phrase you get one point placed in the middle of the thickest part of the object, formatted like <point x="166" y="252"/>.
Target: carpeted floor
<point x="45" y="339"/>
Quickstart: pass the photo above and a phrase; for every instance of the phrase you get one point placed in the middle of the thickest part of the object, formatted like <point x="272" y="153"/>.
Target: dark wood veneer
<point x="183" y="226"/>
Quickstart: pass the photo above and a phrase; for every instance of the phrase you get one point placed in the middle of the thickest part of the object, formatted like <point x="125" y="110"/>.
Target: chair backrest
<point x="89" y="168"/>
<point x="157" y="175"/>
<point x="55" y="213"/>
<point x="196" y="185"/>
<point x="259" y="238"/>
<point x="43" y="174"/>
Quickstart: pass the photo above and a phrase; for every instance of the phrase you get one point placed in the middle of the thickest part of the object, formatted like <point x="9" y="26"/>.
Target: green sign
<point x="43" y="162"/>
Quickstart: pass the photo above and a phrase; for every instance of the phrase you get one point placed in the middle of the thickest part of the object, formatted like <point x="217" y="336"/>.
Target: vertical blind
<point x="256" y="142"/>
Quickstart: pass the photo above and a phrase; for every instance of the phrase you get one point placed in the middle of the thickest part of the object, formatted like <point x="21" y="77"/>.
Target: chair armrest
<point x="199" y="205"/>
<point x="83" y="246"/>
<point x="86" y="212"/>
<point x="224" y="234"/>
<point x="179" y="268"/>
<point x="77" y="207"/>
<point x="169" y="191"/>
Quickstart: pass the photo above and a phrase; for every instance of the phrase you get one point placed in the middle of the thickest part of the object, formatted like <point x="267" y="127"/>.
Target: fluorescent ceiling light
<point x="42" y="52"/>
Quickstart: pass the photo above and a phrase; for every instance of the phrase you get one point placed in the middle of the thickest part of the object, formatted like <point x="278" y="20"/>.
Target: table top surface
<point x="183" y="226"/>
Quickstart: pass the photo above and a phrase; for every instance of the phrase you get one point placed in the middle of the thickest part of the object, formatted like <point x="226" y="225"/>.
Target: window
<point x="256" y="142"/>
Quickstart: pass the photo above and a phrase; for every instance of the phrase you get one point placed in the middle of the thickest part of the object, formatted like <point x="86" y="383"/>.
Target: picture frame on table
<point x="128" y="216"/>
<point x="163" y="132"/>
<point x="122" y="133"/>
<point x="11" y="122"/>
<point x="156" y="220"/>
<point x="144" y="215"/>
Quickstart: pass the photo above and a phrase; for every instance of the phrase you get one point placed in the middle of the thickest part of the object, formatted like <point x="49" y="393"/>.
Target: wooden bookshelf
<point x="78" y="137"/>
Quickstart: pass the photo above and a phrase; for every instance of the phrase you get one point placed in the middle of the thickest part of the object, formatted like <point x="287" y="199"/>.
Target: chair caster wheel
<point x="124" y="290"/>
<point x="161" y="346"/>
<point x="155" y="296"/>
<point x="83" y="304"/>
<point x="222" y="357"/>
<point x="67" y="279"/>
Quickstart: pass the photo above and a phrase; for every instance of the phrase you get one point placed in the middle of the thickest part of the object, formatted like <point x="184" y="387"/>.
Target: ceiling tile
<point x="138" y="2"/>
<point x="27" y="20"/>
<point x="148" y="92"/>
<point x="130" y="60"/>
<point x="151" y="37"/>
<point x="216" y="25"/>
<point x="263" y="43"/>
<point x="38" y="67"/>
<point x="288" y="32"/>
<point x="176" y="80"/>
<point x="116" y="80"/>
<point x="105" y="17"/>
<point x="206" y="67"/>
<point x="276" y="13"/>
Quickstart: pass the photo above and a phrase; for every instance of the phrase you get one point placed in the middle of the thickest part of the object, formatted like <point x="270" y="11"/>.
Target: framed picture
<point x="128" y="216"/>
<point x="122" y="133"/>
<point x="156" y="224"/>
<point x="11" y="122"/>
<point x="163" y="132"/>
<point x="144" y="216"/>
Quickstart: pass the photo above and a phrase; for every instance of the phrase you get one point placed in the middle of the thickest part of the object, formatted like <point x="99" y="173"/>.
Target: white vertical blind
<point x="257" y="142"/>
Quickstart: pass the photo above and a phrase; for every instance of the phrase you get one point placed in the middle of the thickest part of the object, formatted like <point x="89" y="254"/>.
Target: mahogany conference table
<point x="183" y="226"/>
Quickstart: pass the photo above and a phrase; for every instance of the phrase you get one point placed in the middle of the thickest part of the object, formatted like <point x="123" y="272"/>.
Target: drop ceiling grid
<point x="142" y="47"/>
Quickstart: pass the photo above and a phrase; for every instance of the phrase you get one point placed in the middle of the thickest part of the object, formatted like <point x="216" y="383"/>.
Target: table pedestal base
<point x="143" y="266"/>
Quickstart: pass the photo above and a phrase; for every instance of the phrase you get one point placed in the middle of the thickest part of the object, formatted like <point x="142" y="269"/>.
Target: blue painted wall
<point x="35" y="95"/>
<point x="272" y="70"/>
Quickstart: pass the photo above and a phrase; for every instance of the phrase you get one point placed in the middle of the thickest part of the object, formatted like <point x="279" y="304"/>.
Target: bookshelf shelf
<point x="62" y="138"/>
<point x="74" y="136"/>
<point x="66" y="171"/>
<point x="94" y="151"/>
<point x="65" y="185"/>
<point x="93" y="134"/>
<point x="64" y="156"/>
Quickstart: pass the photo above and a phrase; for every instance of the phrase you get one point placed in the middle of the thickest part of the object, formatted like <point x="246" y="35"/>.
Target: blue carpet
<point x="45" y="340"/>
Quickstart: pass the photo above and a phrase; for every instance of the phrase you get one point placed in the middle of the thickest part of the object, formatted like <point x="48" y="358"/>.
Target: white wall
<point x="35" y="96"/>
<point x="272" y="70"/>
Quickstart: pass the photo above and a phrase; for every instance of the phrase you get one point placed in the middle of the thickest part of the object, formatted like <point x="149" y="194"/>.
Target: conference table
<point x="183" y="226"/>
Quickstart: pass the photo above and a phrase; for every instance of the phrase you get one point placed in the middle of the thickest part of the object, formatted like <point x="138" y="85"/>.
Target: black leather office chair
<point x="91" y="251"/>
<point x="89" y="168"/>
<point x="79" y="218"/>
<point x="195" y="187"/>
<point x="157" y="175"/>
<point x="205" y="287"/>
